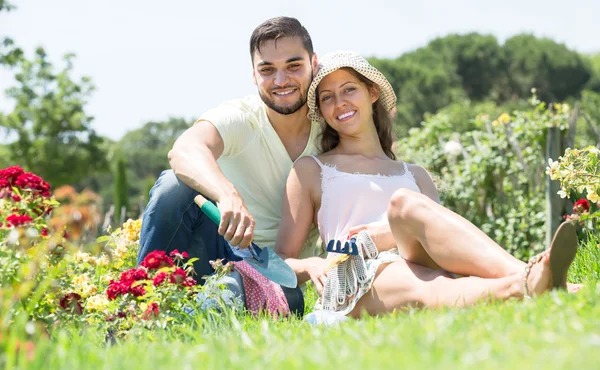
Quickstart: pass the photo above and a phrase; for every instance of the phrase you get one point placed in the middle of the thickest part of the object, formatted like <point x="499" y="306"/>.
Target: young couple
<point x="255" y="158"/>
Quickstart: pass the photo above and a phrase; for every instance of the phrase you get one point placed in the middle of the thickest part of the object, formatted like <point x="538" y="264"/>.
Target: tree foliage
<point x="121" y="189"/>
<point x="52" y="133"/>
<point x="476" y="67"/>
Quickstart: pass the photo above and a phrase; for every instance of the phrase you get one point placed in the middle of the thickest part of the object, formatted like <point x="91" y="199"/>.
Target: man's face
<point x="282" y="72"/>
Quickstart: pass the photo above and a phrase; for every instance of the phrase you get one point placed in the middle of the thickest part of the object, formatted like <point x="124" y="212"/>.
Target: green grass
<point x="556" y="331"/>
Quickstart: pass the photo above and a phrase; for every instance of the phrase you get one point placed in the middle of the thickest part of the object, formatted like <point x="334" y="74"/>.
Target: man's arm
<point x="194" y="161"/>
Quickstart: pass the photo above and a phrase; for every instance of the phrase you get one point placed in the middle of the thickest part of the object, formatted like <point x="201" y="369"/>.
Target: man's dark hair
<point x="276" y="28"/>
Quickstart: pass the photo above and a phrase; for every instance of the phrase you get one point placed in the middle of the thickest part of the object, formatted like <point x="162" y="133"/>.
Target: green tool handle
<point x="208" y="208"/>
<point x="213" y="213"/>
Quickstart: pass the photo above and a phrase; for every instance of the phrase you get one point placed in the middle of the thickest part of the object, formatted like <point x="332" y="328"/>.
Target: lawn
<point x="556" y="331"/>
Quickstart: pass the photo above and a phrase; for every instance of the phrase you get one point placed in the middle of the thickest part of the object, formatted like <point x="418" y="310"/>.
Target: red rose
<point x="125" y="284"/>
<point x="137" y="291"/>
<point x="116" y="288"/>
<point x="151" y="312"/>
<point x="157" y="259"/>
<point x="581" y="206"/>
<point x="18" y="220"/>
<point x="159" y="278"/>
<point x="11" y="173"/>
<point x="71" y="302"/>
<point x="15" y="198"/>
<point x="44" y="232"/>
<point x="134" y="274"/>
<point x="178" y="276"/>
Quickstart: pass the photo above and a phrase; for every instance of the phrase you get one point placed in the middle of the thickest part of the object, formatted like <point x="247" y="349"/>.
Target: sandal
<point x="562" y="252"/>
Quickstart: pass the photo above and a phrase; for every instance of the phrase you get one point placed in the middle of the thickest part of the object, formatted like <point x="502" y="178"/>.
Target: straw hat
<point x="333" y="61"/>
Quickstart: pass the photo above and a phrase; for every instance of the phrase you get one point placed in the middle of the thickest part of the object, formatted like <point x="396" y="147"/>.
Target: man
<point x="239" y="155"/>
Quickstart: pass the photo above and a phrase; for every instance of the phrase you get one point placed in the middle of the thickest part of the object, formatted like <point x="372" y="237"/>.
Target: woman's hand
<point x="318" y="273"/>
<point x="379" y="232"/>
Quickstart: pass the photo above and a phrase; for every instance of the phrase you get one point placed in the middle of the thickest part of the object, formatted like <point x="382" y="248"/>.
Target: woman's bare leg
<point x="431" y="235"/>
<point x="403" y="284"/>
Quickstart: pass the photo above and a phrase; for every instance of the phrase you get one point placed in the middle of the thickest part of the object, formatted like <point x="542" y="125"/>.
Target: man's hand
<point x="237" y="224"/>
<point x="379" y="232"/>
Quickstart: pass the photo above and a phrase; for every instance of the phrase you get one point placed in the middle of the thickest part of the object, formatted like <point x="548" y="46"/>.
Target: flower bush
<point x="54" y="278"/>
<point x="578" y="171"/>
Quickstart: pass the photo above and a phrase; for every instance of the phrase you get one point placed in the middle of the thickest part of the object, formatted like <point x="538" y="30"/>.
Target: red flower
<point x="159" y="278"/>
<point x="137" y="291"/>
<point x="16" y="198"/>
<point x="125" y="284"/>
<point x="581" y="206"/>
<point x="18" y="220"/>
<point x="132" y="275"/>
<point x="34" y="183"/>
<point x="71" y="302"/>
<point x="157" y="259"/>
<point x="11" y="173"/>
<point x="115" y="289"/>
<point x="44" y="232"/>
<point x="151" y="312"/>
<point x="178" y="276"/>
<point x="0" y="224"/>
<point x="4" y="183"/>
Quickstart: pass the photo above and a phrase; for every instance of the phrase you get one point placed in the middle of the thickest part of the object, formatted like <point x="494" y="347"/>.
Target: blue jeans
<point x="173" y="221"/>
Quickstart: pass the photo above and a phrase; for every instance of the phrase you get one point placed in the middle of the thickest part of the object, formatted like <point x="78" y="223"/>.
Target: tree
<point x="476" y="67"/>
<point x="121" y="189"/>
<point x="4" y="5"/>
<point x="53" y="134"/>
<point x="145" y="152"/>
<point x="555" y="71"/>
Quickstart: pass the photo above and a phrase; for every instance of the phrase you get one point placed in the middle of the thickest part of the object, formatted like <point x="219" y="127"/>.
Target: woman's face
<point x="346" y="103"/>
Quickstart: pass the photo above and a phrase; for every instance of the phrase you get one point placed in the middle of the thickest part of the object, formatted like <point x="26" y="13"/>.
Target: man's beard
<point x="285" y="110"/>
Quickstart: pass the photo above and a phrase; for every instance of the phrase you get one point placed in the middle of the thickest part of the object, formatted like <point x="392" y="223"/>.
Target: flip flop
<point x="562" y="253"/>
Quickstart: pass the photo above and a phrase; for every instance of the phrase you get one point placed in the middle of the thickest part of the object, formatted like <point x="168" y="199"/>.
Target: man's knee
<point x="170" y="190"/>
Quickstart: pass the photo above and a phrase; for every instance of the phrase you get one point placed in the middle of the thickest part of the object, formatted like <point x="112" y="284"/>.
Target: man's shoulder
<point x="251" y="104"/>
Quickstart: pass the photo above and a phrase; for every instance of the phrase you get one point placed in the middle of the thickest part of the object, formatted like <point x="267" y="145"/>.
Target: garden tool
<point x="264" y="260"/>
<point x="348" y="270"/>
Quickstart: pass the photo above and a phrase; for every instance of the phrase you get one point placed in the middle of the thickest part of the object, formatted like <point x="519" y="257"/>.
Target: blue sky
<point x="153" y="59"/>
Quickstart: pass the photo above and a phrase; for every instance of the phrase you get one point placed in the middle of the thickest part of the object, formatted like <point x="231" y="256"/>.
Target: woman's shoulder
<point x="307" y="164"/>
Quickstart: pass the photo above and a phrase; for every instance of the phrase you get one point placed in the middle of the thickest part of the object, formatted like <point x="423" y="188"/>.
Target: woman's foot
<point x="537" y="277"/>
<point x="549" y="269"/>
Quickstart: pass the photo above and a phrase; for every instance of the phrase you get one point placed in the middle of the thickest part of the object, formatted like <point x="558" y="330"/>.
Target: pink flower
<point x="176" y="253"/>
<point x="151" y="312"/>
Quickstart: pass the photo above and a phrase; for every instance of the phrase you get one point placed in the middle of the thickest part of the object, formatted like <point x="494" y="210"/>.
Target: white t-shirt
<point x="256" y="162"/>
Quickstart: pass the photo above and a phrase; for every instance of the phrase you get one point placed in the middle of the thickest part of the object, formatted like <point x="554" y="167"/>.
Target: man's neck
<point x="293" y="130"/>
<point x="289" y="126"/>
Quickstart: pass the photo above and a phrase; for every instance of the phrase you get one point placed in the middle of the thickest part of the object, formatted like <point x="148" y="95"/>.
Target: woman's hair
<point x="381" y="117"/>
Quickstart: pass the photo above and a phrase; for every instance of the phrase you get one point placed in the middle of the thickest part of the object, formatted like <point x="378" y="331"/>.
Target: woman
<point x="357" y="181"/>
